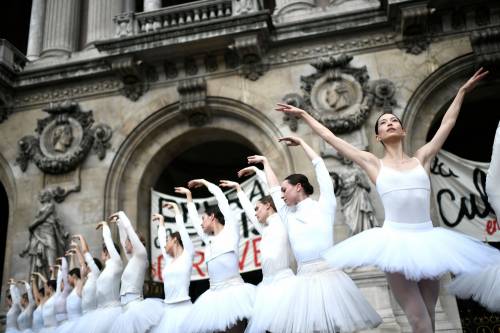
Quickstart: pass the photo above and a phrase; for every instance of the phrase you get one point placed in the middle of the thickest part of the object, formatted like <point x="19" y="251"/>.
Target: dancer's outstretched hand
<point x="248" y="171"/>
<point x="289" y="109"/>
<point x="182" y="190"/>
<point x="196" y="183"/>
<point x="291" y="140"/>
<point x="113" y="218"/>
<point x="158" y="218"/>
<point x="256" y="159"/>
<point x="100" y="225"/>
<point x="229" y="184"/>
<point x="171" y="205"/>
<point x="474" y="80"/>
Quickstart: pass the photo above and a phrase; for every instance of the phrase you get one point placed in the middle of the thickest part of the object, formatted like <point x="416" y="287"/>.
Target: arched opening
<point x="4" y="220"/>
<point x="213" y="161"/>
<point x="165" y="139"/>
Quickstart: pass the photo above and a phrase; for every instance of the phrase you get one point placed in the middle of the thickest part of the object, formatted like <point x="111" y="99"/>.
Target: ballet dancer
<point x="178" y="252"/>
<point x="408" y="248"/>
<point x="48" y="309"/>
<point x="227" y="305"/>
<point x="25" y="319"/>
<point x="14" y="304"/>
<point x="40" y="299"/>
<point x="324" y="299"/>
<point x="62" y="292"/>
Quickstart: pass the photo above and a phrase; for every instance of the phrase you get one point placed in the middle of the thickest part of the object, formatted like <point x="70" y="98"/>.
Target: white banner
<point x="249" y="241"/>
<point x="458" y="187"/>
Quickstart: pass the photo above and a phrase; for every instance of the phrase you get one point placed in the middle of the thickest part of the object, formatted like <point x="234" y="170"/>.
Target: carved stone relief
<point x="193" y="101"/>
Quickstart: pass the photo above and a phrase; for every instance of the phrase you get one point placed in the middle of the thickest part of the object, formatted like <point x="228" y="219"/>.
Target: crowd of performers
<point x="100" y="296"/>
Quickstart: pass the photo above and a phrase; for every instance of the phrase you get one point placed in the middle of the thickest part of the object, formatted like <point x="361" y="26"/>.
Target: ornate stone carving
<point x="190" y="66"/>
<point x="211" y="63"/>
<point x="132" y="74"/>
<point x="414" y="20"/>
<point x="124" y="24"/>
<point x="63" y="139"/>
<point x="250" y="50"/>
<point x="241" y="7"/>
<point x="48" y="238"/>
<point x="353" y="187"/>
<point x="486" y="46"/>
<point x="170" y="68"/>
<point x="297" y="101"/>
<point x="193" y="101"/>
<point x="341" y="96"/>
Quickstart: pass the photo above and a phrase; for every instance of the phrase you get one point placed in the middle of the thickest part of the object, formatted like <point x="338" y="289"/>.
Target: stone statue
<point x="47" y="236"/>
<point x="338" y="97"/>
<point x="62" y="137"/>
<point x="353" y="188"/>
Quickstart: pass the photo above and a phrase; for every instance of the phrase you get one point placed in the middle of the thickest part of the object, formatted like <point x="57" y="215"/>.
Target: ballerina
<point x="25" y="319"/>
<point x="278" y="279"/>
<point x="62" y="292"/>
<point x="178" y="253"/>
<point x="408" y="248"/>
<point x="138" y="315"/>
<point x="484" y="287"/>
<point x="324" y="299"/>
<point x="40" y="299"/>
<point x="228" y="304"/>
<point x="14" y="303"/>
<point x="48" y="309"/>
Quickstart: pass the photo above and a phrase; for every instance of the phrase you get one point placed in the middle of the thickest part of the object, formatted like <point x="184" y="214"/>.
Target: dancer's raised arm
<point x="126" y="231"/>
<point x="108" y="241"/>
<point x="367" y="161"/>
<point x="427" y="152"/>
<point x="193" y="212"/>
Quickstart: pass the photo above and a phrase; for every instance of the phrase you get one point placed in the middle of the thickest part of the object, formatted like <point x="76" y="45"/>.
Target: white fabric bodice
<point x="310" y="222"/>
<point x="49" y="313"/>
<point x="108" y="284"/>
<point x="274" y="246"/>
<point x="74" y="305"/>
<point x="492" y="186"/>
<point x="25" y="319"/>
<point x="177" y="277"/>
<point x="38" y="318"/>
<point x="89" y="300"/>
<point x="405" y="194"/>
<point x="223" y="267"/>
<point x="12" y="315"/>
<point x="132" y="279"/>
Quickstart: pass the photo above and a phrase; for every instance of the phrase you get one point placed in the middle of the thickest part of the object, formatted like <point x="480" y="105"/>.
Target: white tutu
<point x="46" y="330"/>
<point x="270" y="296"/>
<point x="11" y="330"/>
<point x="173" y="316"/>
<point x="99" y="320"/>
<point x="483" y="287"/>
<point x="139" y="316"/>
<point x="324" y="300"/>
<point x="67" y="326"/>
<point x="221" y="306"/>
<point x="418" y="250"/>
<point x="28" y="330"/>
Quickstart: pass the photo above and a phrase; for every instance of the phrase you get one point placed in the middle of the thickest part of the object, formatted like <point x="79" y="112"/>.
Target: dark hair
<point x="41" y="291"/>
<point x="25" y="297"/>
<point x="52" y="284"/>
<point x="215" y="211"/>
<point x="9" y="297"/>
<point x="75" y="272"/>
<point x="177" y="236"/>
<point x="384" y="113"/>
<point x="298" y="178"/>
<point x="104" y="248"/>
<point x="98" y="263"/>
<point x="267" y="199"/>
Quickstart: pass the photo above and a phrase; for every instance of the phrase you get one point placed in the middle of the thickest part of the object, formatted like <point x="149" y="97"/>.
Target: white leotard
<point x="62" y="292"/>
<point x="89" y="300"/>
<point x="15" y="309"/>
<point x="38" y="318"/>
<point x="74" y="305"/>
<point x="108" y="282"/>
<point x="25" y="319"/>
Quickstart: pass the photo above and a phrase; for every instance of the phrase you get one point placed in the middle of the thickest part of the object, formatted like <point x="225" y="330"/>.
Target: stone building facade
<point x="109" y="95"/>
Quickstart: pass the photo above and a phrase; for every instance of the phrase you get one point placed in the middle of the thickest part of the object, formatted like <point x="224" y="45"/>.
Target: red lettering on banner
<point x="243" y="257"/>
<point x="196" y="265"/>
<point x="492" y="227"/>
<point x="256" y="251"/>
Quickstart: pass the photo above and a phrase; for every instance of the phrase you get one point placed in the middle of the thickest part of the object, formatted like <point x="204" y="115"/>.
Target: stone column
<point x="36" y="29"/>
<point x="61" y="29"/>
<point x="100" y="16"/>
<point x="150" y="5"/>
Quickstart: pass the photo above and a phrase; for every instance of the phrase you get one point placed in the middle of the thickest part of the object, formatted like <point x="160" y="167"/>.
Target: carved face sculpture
<point x="338" y="96"/>
<point x="45" y="196"/>
<point x="62" y="137"/>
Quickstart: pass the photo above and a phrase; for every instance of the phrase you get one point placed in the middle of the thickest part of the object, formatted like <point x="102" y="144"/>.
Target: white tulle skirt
<point x="11" y="330"/>
<point x="139" y="316"/>
<point x="221" y="306"/>
<point x="99" y="320"/>
<point x="270" y="295"/>
<point x="417" y="250"/>
<point x="46" y="330"/>
<point x="28" y="330"/>
<point x="324" y="300"/>
<point x="483" y="287"/>
<point x="68" y="326"/>
<point x="173" y="316"/>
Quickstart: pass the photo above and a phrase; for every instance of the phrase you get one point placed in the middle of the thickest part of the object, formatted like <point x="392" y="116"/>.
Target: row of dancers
<point x="319" y="296"/>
